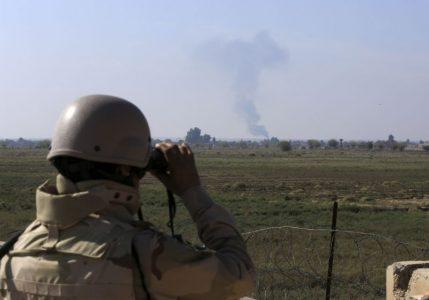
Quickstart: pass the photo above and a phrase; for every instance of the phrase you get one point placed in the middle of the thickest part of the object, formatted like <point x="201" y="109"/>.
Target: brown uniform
<point x="86" y="244"/>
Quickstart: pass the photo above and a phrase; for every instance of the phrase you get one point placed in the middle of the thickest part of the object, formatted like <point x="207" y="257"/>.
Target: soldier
<point x="86" y="242"/>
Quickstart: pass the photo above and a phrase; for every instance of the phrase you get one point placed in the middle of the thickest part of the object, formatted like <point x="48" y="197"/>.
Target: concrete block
<point x="419" y="283"/>
<point x="398" y="279"/>
<point x="419" y="297"/>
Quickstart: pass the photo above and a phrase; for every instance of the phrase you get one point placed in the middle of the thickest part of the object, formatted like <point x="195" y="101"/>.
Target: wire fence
<point x="292" y="262"/>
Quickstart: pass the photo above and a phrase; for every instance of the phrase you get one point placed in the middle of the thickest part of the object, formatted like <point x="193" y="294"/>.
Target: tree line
<point x="197" y="138"/>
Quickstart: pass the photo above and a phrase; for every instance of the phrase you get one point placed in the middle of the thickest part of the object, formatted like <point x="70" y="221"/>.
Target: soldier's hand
<point x="182" y="172"/>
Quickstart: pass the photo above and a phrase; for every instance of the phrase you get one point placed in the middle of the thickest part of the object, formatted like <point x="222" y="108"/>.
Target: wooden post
<point x="331" y="250"/>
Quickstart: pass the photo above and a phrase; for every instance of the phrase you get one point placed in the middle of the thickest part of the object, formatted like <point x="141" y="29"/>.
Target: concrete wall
<point x="408" y="280"/>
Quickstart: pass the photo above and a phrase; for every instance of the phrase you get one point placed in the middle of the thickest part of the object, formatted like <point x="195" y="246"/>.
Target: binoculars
<point x="157" y="161"/>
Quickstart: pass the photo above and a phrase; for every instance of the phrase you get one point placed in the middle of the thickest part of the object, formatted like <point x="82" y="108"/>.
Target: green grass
<point x="265" y="188"/>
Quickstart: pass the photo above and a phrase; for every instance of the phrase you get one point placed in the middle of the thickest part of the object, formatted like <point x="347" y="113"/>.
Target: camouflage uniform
<point x="81" y="247"/>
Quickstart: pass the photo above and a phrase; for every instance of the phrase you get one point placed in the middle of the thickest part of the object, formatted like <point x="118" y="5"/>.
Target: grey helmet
<point x="104" y="129"/>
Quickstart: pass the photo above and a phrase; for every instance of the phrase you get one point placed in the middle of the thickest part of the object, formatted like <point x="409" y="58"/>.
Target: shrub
<point x="333" y="143"/>
<point x="44" y="144"/>
<point x="313" y="144"/>
<point x="285" y="145"/>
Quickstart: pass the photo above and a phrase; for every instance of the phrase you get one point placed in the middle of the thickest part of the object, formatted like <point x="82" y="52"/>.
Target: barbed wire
<point x="292" y="261"/>
<point x="375" y="235"/>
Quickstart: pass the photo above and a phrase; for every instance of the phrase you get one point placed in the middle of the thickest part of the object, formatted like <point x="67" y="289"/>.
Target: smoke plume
<point x="244" y="60"/>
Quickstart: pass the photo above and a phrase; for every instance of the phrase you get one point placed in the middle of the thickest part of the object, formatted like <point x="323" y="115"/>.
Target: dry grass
<point x="377" y="192"/>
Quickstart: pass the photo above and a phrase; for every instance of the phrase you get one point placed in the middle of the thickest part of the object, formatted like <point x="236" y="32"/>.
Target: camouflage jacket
<point x="86" y="244"/>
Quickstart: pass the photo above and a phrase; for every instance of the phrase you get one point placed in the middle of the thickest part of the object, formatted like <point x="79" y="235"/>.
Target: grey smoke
<point x="244" y="60"/>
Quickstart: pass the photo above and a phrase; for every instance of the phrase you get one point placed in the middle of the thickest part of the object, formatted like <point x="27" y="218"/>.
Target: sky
<point x="236" y="69"/>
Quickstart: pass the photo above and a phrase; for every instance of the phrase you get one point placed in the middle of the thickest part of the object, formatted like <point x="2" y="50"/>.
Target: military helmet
<point x="104" y="129"/>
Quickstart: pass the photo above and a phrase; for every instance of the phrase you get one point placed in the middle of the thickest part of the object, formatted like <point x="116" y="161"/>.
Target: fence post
<point x="331" y="250"/>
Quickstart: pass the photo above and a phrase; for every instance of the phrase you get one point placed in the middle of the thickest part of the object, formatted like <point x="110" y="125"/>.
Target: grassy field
<point x="378" y="192"/>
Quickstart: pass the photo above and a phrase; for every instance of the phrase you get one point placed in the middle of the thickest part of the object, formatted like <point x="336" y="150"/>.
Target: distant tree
<point x="380" y="145"/>
<point x="370" y="145"/>
<point x="333" y="143"/>
<point x="402" y="146"/>
<point x="224" y="144"/>
<point x="265" y="143"/>
<point x="23" y="143"/>
<point x="313" y="144"/>
<point x="243" y="144"/>
<point x="10" y="143"/>
<point x="3" y="144"/>
<point x="43" y="144"/>
<point x="361" y="145"/>
<point x="391" y="139"/>
<point x="206" y="138"/>
<point x="341" y="143"/>
<point x="353" y="144"/>
<point x="285" y="145"/>
<point x="426" y="147"/>
<point x="253" y="144"/>
<point x="193" y="136"/>
<point x="274" y="141"/>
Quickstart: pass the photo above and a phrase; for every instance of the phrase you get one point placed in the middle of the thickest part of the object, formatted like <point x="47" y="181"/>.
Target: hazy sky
<point x="343" y="69"/>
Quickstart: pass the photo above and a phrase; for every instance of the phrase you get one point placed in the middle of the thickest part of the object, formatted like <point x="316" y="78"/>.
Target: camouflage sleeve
<point x="176" y="270"/>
